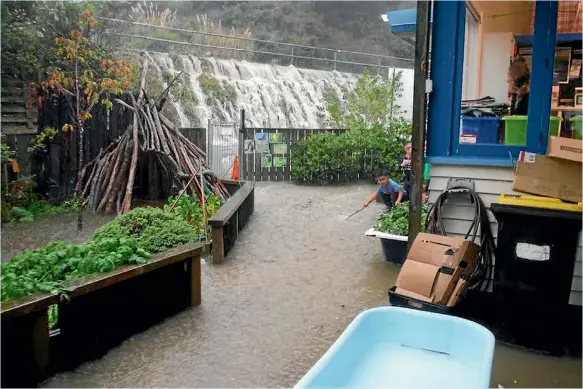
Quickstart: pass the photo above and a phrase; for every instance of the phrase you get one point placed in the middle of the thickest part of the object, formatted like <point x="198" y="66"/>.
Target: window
<point x="471" y="55"/>
<point x="461" y="131"/>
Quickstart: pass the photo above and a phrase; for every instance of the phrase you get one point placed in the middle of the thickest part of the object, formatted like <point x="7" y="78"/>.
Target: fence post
<point x="334" y="60"/>
<point x="292" y="56"/>
<point x="242" y="158"/>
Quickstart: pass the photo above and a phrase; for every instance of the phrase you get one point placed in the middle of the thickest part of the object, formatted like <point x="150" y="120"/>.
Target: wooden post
<point x="218" y="245"/>
<point x="419" y="116"/>
<point x="195" y="281"/>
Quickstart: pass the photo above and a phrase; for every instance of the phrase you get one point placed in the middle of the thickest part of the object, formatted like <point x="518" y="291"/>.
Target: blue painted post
<point x="447" y="53"/>
<point x="541" y="78"/>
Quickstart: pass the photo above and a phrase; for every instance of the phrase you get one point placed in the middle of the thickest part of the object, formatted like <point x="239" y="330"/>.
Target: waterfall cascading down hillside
<point x="272" y="95"/>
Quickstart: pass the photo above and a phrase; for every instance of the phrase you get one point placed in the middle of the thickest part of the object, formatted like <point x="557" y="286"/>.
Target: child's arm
<point x="371" y="198"/>
<point x="399" y="197"/>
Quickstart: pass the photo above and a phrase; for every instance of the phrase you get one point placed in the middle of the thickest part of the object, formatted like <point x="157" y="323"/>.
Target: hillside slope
<point x="345" y="25"/>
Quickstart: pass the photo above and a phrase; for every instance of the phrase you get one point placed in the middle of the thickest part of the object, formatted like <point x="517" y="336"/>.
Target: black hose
<point x="482" y="276"/>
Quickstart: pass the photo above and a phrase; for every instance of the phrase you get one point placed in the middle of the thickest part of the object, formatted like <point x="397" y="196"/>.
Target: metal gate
<point x="222" y="146"/>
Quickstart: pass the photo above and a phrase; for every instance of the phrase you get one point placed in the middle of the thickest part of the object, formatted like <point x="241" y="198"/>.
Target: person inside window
<point x="519" y="86"/>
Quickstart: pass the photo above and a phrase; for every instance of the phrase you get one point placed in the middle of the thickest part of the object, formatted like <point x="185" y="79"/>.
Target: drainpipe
<point x="422" y="33"/>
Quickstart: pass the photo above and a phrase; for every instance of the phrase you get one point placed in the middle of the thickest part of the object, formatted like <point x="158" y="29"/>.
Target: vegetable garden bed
<point x="232" y="217"/>
<point x="101" y="311"/>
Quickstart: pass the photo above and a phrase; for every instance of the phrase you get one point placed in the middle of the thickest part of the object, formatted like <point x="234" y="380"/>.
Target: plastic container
<point x="486" y="129"/>
<point x="554" y="124"/>
<point x="577" y="127"/>
<point x="535" y="256"/>
<point x="394" y="246"/>
<point x="398" y="300"/>
<point x="426" y="171"/>
<point x="393" y="347"/>
<point x="515" y="128"/>
<point x="539" y="202"/>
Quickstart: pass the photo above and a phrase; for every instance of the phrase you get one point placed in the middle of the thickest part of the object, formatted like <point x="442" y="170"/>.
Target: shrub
<point x="356" y="153"/>
<point x="151" y="228"/>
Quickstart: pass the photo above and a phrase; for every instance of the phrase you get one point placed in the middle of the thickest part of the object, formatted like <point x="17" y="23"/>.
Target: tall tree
<point x="85" y="73"/>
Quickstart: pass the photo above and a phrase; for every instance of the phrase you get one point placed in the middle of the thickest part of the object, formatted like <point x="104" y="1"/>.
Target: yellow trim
<point x="539" y="202"/>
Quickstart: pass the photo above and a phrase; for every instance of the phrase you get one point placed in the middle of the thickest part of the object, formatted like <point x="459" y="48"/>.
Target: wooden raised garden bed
<point x="101" y="311"/>
<point x="231" y="217"/>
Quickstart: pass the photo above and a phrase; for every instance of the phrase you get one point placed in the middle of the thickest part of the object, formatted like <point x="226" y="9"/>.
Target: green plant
<point x="7" y="152"/>
<point x="48" y="268"/>
<point x="154" y="86"/>
<point x="183" y="93"/>
<point x="40" y="142"/>
<point x="188" y="209"/>
<point x="151" y="228"/>
<point x="21" y="214"/>
<point x="396" y="221"/>
<point x="216" y="90"/>
<point x="375" y="138"/>
<point x="30" y="208"/>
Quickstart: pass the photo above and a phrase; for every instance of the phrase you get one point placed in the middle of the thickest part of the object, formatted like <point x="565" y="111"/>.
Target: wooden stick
<point x="130" y="186"/>
<point x="181" y="193"/>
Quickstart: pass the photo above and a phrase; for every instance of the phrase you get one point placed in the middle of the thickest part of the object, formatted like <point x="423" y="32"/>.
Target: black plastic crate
<point x="398" y="300"/>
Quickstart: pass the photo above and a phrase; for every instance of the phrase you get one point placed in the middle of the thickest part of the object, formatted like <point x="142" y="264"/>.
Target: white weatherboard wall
<point x="489" y="183"/>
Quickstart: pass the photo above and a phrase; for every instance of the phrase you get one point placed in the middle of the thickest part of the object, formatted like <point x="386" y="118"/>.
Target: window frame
<point x="448" y="32"/>
<point x="472" y="50"/>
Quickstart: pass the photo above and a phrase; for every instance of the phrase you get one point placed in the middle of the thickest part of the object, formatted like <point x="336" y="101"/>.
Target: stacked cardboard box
<point x="557" y="174"/>
<point x="437" y="269"/>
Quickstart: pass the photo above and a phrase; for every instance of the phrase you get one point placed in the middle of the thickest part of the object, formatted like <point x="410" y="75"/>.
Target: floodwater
<point x="62" y="227"/>
<point x="299" y="273"/>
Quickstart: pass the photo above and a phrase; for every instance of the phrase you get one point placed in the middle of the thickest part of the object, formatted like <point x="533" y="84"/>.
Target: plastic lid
<point x="539" y="202"/>
<point x="515" y="117"/>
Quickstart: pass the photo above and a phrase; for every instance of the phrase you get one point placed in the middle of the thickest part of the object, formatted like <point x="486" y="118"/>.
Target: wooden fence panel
<point x="196" y="136"/>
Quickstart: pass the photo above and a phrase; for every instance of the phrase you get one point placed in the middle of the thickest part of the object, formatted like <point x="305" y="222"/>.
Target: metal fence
<point x="222" y="146"/>
<point x="200" y="43"/>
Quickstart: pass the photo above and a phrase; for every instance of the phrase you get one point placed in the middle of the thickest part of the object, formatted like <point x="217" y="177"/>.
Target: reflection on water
<point x="295" y="279"/>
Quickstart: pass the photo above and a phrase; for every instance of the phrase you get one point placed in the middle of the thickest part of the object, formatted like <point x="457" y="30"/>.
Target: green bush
<point x="356" y="153"/>
<point x="375" y="138"/>
<point x="152" y="229"/>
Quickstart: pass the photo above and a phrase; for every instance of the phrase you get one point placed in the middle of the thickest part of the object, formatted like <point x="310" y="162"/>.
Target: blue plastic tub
<point x="486" y="129"/>
<point x="392" y="347"/>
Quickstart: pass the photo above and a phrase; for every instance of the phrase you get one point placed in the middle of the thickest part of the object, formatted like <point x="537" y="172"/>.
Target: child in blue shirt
<point x="392" y="193"/>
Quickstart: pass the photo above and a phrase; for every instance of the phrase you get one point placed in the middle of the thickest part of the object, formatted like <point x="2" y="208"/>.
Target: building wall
<point x="489" y="183"/>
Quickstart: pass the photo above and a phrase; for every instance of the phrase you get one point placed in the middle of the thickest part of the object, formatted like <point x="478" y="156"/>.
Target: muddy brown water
<point x="298" y="275"/>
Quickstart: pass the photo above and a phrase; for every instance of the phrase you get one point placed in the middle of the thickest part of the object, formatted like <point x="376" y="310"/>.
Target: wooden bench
<point x="231" y="217"/>
<point x="101" y="311"/>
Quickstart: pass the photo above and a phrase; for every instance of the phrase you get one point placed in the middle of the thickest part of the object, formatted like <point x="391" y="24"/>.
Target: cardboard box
<point x="434" y="266"/>
<point x="565" y="148"/>
<point x="547" y="176"/>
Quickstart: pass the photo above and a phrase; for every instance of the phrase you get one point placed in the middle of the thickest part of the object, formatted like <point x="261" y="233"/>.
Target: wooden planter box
<point x="231" y="217"/>
<point x="102" y="311"/>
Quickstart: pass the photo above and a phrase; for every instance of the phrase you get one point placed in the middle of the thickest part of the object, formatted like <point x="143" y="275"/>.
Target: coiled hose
<point x="482" y="276"/>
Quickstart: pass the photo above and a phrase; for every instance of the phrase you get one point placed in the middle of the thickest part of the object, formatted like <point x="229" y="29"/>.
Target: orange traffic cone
<point x="235" y="173"/>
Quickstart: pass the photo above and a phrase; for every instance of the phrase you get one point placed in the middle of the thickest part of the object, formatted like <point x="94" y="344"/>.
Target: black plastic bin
<point x="532" y="291"/>
<point x="398" y="300"/>
<point x="395" y="251"/>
